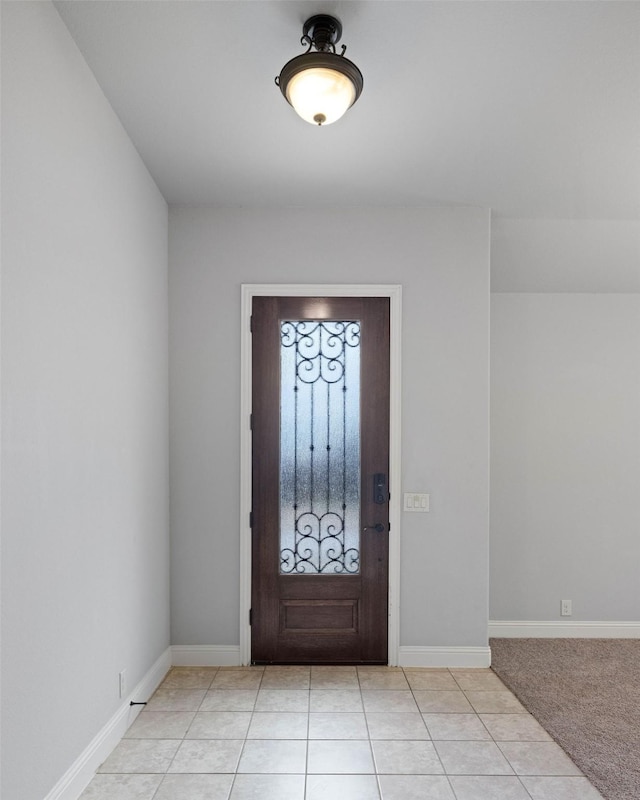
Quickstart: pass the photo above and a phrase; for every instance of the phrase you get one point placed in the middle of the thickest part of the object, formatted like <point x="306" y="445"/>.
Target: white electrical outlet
<point x="122" y="682"/>
<point x="565" y="608"/>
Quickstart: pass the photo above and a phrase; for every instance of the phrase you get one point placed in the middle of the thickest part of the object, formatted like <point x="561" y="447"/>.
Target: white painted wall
<point x="441" y="258"/>
<point x="566" y="255"/>
<point x="84" y="402"/>
<point x="565" y="455"/>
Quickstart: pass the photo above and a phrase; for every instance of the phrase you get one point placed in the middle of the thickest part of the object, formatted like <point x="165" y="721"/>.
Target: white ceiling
<point x="530" y="108"/>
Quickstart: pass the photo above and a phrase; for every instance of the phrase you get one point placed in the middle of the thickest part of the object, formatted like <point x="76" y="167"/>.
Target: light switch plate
<point x="416" y="502"/>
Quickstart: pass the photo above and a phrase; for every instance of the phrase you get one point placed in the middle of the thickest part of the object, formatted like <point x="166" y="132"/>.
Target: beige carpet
<point x="586" y="694"/>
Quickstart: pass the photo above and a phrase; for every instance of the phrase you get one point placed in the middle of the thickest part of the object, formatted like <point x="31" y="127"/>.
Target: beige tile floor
<point x="336" y="733"/>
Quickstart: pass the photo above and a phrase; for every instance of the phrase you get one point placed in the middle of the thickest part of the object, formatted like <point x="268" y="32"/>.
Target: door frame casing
<point x="394" y="293"/>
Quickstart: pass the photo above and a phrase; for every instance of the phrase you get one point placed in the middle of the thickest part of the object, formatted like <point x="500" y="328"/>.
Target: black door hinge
<point x="251" y="519"/>
<point x="250" y="616"/>
<point x="251" y="323"/>
<point x="250" y="422"/>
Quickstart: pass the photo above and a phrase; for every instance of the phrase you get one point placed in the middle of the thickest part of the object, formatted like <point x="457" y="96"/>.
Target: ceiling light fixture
<point x="321" y="85"/>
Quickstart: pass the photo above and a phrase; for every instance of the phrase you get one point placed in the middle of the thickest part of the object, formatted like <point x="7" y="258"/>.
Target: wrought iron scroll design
<point x="324" y="492"/>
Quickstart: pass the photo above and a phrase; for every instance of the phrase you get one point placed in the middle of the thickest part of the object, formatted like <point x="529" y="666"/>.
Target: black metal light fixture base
<point x="323" y="31"/>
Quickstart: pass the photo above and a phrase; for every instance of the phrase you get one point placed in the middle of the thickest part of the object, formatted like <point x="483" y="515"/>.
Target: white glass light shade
<point x="320" y="95"/>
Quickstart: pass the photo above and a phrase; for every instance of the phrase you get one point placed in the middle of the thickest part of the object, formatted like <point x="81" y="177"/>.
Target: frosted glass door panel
<point x="320" y="447"/>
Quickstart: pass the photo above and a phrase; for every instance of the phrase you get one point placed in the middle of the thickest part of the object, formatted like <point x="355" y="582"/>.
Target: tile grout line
<point x="246" y="737"/>
<point x="306" y="758"/>
<point x="371" y="750"/>
<point x="444" y="771"/>
<point x="184" y="735"/>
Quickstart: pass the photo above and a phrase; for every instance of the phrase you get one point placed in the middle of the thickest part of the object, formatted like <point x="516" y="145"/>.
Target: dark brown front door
<point x="320" y="502"/>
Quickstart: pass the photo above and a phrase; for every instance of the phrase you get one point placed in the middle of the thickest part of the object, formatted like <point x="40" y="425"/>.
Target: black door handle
<point x="377" y="527"/>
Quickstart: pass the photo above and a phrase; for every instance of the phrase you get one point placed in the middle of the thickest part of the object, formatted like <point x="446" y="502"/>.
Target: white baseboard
<point x="77" y="777"/>
<point x="229" y="656"/>
<point x="444" y="657"/>
<point x="559" y="629"/>
<point x="210" y="655"/>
